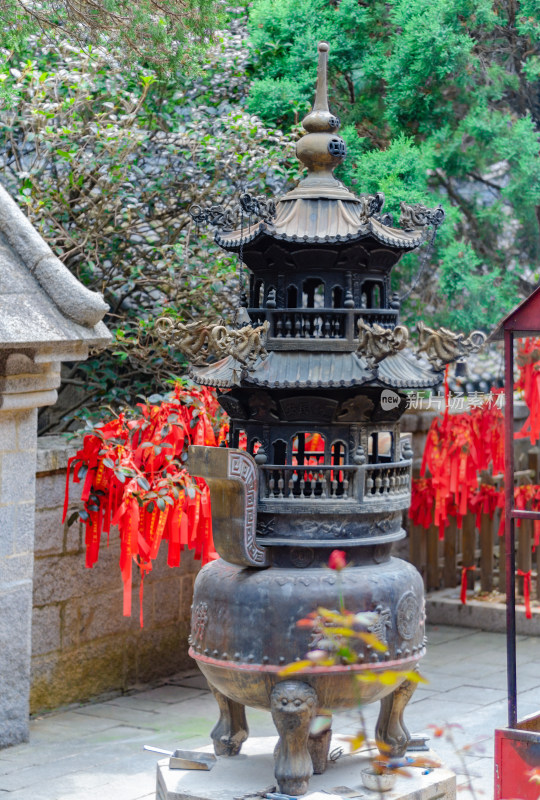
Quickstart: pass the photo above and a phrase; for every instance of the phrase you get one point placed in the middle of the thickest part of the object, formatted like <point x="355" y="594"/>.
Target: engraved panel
<point x="408" y="615"/>
<point x="262" y="407"/>
<point x="300" y="409"/>
<point x="198" y="622"/>
<point x="241" y="467"/>
<point x="383" y="621"/>
<point x="232" y="406"/>
<point x="356" y="409"/>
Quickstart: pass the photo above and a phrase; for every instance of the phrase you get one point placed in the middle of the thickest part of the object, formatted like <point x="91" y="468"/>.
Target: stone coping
<point x="54" y="451"/>
<point x="446" y="608"/>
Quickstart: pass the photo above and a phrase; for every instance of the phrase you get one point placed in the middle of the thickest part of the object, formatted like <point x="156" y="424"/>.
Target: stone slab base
<point x="253" y="771"/>
<point x="446" y="608"/>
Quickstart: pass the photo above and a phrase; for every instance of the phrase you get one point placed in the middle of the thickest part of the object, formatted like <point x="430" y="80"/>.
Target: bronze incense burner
<point x="318" y="405"/>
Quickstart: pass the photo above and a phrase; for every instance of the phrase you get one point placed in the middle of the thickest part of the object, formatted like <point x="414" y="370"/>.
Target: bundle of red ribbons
<point x="528" y="362"/>
<point x="460" y="447"/>
<point x="133" y="477"/>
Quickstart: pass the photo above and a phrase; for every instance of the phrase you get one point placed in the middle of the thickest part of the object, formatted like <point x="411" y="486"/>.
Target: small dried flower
<point x="337" y="560"/>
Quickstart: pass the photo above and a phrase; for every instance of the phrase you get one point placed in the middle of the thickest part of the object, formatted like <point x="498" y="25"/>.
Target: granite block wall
<point x="82" y="645"/>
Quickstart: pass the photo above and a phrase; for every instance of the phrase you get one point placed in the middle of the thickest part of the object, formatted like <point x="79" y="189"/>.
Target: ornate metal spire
<point x="321" y="149"/>
<point x="320" y="120"/>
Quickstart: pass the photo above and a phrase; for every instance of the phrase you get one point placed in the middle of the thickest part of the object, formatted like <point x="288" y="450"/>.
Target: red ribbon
<point x="526" y="575"/>
<point x="528" y="357"/>
<point x="463" y="595"/>
<point x="134" y="479"/>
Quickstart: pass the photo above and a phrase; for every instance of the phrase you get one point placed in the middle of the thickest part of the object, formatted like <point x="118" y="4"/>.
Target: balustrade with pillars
<point x="387" y="480"/>
<point x="320" y="323"/>
<point x="366" y="482"/>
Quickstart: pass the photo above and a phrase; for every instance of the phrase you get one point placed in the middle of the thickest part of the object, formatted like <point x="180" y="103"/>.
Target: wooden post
<point x="486" y="552"/>
<point x="524" y="554"/>
<point x="469" y="547"/>
<point x="432" y="546"/>
<point x="450" y="555"/>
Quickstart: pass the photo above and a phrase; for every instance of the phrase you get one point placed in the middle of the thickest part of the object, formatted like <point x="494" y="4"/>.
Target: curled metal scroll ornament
<point x="199" y="341"/>
<point x="221" y="217"/>
<point x="443" y="347"/>
<point x="227" y="219"/>
<point x="262" y="207"/>
<point x="418" y="216"/>
<point x="376" y="343"/>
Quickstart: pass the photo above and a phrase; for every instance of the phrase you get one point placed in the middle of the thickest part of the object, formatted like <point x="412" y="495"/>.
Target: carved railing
<point x="318" y="482"/>
<point x="368" y="483"/>
<point x="385" y="317"/>
<point x="309" y="323"/>
<point x="319" y="324"/>
<point x="304" y="323"/>
<point x="386" y="480"/>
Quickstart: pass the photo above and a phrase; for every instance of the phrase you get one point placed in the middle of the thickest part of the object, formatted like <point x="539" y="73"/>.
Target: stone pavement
<point x="94" y="752"/>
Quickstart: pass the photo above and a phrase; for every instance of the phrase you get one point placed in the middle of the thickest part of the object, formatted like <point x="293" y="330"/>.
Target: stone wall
<point x="17" y="477"/>
<point x="82" y="645"/>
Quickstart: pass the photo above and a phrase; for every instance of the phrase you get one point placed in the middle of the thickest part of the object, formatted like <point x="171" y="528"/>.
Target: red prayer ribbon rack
<point x="460" y="447"/>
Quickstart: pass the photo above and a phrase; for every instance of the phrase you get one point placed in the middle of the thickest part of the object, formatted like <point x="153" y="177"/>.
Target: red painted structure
<point x="517" y="747"/>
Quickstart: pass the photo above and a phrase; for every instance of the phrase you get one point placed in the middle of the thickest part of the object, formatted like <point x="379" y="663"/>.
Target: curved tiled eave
<point x="404" y="371"/>
<point x="319" y="370"/>
<point x="320" y="220"/>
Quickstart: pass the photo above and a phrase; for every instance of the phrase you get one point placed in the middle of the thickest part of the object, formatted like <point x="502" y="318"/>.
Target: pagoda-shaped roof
<point x="319" y="370"/>
<point x="320" y="209"/>
<point x="316" y="220"/>
<point x="321" y="313"/>
<point x="42" y="305"/>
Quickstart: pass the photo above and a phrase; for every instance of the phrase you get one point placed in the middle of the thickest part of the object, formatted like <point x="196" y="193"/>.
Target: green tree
<point x="107" y="160"/>
<point x="163" y="35"/>
<point x="436" y="97"/>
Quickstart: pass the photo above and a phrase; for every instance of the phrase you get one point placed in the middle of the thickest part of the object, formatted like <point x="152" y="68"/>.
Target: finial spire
<point x="321" y="93"/>
<point x="319" y="119"/>
<point x="321" y="149"/>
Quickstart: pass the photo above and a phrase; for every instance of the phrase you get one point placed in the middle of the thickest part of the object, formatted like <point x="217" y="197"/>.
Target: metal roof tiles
<point x="319" y="370"/>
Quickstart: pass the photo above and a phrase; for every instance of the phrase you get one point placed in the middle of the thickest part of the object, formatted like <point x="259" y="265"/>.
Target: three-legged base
<point x="301" y="750"/>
